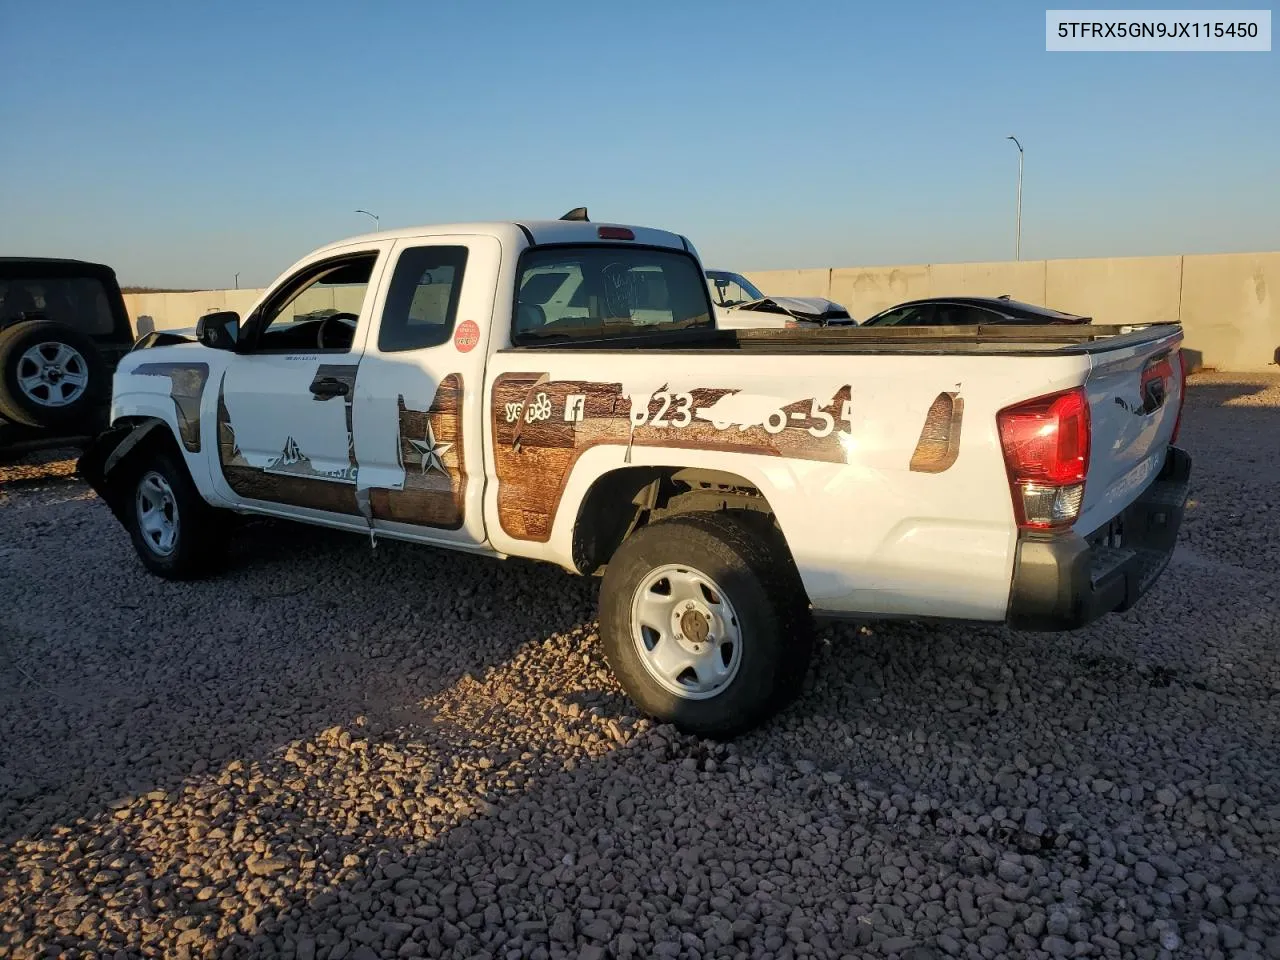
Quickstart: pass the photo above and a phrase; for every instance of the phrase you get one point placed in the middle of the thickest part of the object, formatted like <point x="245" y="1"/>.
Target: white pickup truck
<point x="730" y="485"/>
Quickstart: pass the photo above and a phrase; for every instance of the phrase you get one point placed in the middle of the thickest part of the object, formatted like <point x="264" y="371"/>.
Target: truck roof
<point x="531" y="232"/>
<point x="53" y="267"/>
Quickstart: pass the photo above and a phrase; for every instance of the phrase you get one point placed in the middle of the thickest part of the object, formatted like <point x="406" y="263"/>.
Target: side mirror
<point x="220" y="331"/>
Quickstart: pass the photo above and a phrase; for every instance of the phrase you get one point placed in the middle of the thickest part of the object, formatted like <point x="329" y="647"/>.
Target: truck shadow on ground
<point x="1233" y="433"/>
<point x="143" y="683"/>
<point x="532" y="786"/>
<point x="1209" y="390"/>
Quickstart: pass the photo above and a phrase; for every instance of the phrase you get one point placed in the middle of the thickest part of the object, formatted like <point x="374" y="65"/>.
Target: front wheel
<point x="172" y="527"/>
<point x="705" y="623"/>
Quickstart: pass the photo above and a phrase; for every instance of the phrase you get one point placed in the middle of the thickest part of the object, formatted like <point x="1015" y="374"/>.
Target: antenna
<point x="577" y="213"/>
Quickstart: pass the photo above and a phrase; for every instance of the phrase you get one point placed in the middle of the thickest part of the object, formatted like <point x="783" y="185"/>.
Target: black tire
<point x="197" y="544"/>
<point x="749" y="563"/>
<point x="35" y="408"/>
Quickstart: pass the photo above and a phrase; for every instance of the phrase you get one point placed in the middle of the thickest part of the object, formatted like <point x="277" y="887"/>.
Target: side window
<point x="959" y="316"/>
<point x="729" y="293"/>
<point x="422" y="301"/>
<point x="889" y="319"/>
<point x="921" y="316"/>
<point x="318" y="309"/>
<point x="78" y="301"/>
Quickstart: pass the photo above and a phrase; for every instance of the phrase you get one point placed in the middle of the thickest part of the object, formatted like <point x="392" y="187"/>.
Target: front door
<point x="418" y="428"/>
<point x="285" y="406"/>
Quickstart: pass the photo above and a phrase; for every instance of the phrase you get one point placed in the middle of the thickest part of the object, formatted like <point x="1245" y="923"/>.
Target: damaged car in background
<point x="739" y="305"/>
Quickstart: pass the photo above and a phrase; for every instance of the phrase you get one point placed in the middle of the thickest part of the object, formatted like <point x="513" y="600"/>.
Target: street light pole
<point x="237" y="281"/>
<point x="1018" y="242"/>
<point x="376" y="221"/>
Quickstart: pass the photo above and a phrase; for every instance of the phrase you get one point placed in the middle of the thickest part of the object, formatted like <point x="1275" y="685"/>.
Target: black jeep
<point x="63" y="329"/>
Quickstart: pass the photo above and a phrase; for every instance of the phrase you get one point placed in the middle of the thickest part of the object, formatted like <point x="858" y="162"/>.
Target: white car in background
<point x="739" y="304"/>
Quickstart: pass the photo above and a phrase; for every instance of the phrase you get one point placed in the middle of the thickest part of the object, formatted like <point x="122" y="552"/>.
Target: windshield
<point x="79" y="301"/>
<point x="731" y="289"/>
<point x="595" y="290"/>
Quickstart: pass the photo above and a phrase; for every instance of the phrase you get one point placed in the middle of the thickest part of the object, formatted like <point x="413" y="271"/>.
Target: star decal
<point x="430" y="452"/>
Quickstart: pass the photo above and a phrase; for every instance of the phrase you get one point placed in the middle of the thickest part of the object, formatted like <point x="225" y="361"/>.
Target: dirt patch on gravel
<point x="32" y="469"/>
<point x="334" y="753"/>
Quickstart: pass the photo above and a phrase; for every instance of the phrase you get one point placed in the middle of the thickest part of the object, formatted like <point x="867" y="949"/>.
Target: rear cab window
<point x="594" y="291"/>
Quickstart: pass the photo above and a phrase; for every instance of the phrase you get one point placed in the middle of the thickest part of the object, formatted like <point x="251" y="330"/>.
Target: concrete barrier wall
<point x="1024" y="280"/>
<point x="1139" y="290"/>
<point x="170" y="311"/>
<point x="1231" y="309"/>
<point x="1228" y="304"/>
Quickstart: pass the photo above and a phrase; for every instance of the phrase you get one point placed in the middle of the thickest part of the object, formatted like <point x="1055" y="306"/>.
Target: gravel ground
<point x="332" y="753"/>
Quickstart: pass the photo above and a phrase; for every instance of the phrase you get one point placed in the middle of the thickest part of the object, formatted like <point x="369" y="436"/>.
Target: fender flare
<point x="99" y="464"/>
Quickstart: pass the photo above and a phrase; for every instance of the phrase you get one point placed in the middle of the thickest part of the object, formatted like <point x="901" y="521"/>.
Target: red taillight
<point x="615" y="233"/>
<point x="1047" y="439"/>
<point x="1182" y="394"/>
<point x="1046" y="454"/>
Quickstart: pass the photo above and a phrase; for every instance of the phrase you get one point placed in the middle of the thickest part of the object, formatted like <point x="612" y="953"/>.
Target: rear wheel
<point x="705" y="623"/>
<point x="173" y="529"/>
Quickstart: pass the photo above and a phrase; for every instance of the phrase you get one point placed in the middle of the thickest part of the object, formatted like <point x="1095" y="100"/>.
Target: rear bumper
<point x="1065" y="582"/>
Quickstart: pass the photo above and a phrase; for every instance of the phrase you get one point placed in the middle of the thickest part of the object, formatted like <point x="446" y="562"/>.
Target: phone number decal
<point x="677" y="410"/>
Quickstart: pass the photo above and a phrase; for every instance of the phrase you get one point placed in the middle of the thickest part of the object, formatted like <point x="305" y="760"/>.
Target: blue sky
<point x="184" y="142"/>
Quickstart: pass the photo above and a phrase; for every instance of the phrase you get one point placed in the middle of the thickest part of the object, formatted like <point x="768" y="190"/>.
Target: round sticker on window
<point x="466" y="336"/>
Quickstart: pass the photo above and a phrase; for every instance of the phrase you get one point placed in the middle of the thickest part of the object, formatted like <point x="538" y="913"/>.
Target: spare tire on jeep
<point x="51" y="375"/>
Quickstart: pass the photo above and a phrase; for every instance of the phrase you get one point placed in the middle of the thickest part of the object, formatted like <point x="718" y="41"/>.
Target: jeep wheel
<point x="51" y="375"/>
<point x="173" y="528"/>
<point x="705" y="623"/>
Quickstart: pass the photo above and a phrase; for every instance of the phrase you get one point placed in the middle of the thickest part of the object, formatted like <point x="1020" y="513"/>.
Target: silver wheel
<point x="686" y="632"/>
<point x="157" y="513"/>
<point x="52" y="374"/>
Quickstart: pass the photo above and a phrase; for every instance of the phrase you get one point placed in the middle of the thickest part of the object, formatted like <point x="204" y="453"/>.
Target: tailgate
<point x="1135" y="393"/>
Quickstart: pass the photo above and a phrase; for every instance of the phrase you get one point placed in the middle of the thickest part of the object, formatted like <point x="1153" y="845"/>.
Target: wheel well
<point x="161" y="435"/>
<point x="622" y="501"/>
<point x="158" y="437"/>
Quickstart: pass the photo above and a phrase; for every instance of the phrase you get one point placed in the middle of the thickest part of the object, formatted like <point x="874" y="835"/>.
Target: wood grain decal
<point x="431" y="452"/>
<point x="286" y="480"/>
<point x="939" y="445"/>
<point x="541" y="427"/>
<point x="186" y="388"/>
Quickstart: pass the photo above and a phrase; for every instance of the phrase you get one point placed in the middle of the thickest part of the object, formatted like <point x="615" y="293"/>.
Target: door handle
<point x="328" y="387"/>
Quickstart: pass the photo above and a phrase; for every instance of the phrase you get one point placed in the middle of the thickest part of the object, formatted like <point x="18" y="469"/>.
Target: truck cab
<point x="353" y="394"/>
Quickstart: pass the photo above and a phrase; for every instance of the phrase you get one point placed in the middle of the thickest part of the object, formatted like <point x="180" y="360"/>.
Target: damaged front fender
<point x="101" y="464"/>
